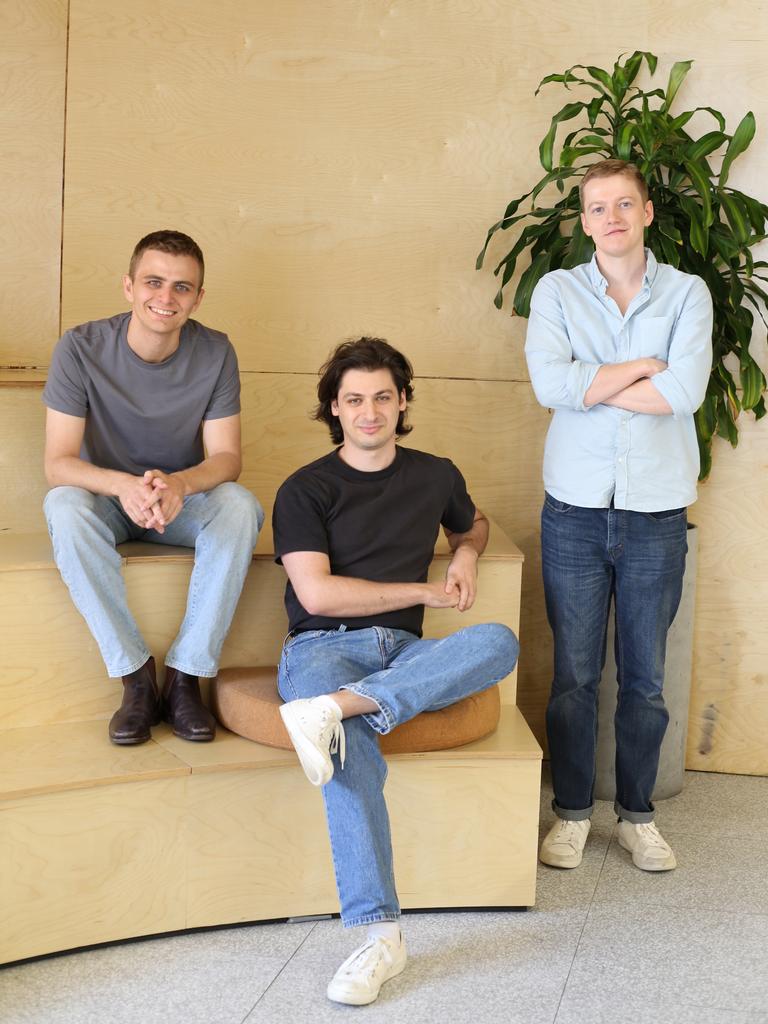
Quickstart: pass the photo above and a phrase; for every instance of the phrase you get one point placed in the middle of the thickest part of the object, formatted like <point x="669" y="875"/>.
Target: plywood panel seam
<point x="64" y="162"/>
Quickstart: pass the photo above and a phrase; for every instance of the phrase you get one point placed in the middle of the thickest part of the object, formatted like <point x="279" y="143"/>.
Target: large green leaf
<point x="528" y="282"/>
<point x="705" y="145"/>
<point x="740" y="141"/>
<point x="548" y="142"/>
<point x="624" y="140"/>
<point x="752" y="381"/>
<point x="676" y="76"/>
<point x="736" y="214"/>
<point x="601" y="76"/>
<point x="697" y="231"/>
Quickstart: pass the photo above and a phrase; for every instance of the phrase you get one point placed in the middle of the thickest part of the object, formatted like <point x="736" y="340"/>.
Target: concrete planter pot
<point x="677" y="691"/>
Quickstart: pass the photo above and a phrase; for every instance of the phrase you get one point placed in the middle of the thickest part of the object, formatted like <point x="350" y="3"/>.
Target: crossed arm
<point x="322" y="593"/>
<point x="628" y="386"/>
<point x="153" y="500"/>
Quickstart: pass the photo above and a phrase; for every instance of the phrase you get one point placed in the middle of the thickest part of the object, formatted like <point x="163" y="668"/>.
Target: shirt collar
<point x="600" y="284"/>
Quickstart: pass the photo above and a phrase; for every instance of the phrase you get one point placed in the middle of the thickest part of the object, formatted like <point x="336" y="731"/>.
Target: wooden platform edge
<point x="35" y="760"/>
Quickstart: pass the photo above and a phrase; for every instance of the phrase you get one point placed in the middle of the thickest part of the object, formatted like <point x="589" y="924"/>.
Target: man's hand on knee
<point x="165" y="499"/>
<point x="138" y="498"/>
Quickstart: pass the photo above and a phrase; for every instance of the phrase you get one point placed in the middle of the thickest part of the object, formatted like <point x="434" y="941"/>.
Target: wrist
<point x="118" y="481"/>
<point x="466" y="547"/>
<point x="186" y="489"/>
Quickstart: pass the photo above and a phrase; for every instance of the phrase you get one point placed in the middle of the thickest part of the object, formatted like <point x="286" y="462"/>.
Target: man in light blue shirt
<point x="621" y="350"/>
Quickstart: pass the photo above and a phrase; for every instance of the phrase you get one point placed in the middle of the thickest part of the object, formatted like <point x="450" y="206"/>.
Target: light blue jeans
<point x="221" y="525"/>
<point x="403" y="676"/>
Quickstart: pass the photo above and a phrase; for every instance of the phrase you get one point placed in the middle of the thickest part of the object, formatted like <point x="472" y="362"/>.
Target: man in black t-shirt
<point x="356" y="532"/>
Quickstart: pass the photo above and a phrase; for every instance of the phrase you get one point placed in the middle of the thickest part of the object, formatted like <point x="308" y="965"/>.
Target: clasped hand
<point x="154" y="500"/>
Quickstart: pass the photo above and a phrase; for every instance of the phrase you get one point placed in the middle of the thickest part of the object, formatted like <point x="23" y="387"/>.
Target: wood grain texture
<point x="489" y="860"/>
<point x="729" y="702"/>
<point x="92" y="865"/>
<point x="171" y="835"/>
<point x="340" y="170"/>
<point x="52" y="671"/>
<point x="22" y="480"/>
<point x="33" y="42"/>
<point x="353" y="164"/>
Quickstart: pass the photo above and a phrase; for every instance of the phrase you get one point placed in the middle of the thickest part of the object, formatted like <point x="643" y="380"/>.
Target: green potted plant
<point x="701" y="224"/>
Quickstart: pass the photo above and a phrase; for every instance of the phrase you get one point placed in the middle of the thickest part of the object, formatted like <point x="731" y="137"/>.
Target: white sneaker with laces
<point x="563" y="845"/>
<point x="650" y="850"/>
<point x="316" y="732"/>
<point x="359" y="979"/>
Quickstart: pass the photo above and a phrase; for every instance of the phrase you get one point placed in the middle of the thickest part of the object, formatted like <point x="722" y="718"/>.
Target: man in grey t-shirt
<point x="143" y="443"/>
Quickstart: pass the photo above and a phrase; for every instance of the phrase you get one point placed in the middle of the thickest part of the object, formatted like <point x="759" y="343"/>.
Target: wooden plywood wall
<point x="33" y="36"/>
<point x="340" y="161"/>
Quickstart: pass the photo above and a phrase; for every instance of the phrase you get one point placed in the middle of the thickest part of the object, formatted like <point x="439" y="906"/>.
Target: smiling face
<point x="368" y="407"/>
<point x="164" y="292"/>
<point x="615" y="215"/>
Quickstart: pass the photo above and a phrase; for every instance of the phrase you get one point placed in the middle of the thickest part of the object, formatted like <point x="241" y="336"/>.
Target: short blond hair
<point x="607" y="169"/>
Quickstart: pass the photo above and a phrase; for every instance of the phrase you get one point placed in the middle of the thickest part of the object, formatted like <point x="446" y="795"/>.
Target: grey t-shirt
<point x="140" y="415"/>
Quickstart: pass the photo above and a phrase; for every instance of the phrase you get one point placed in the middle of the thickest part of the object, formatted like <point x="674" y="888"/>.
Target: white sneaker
<point x="563" y="845"/>
<point x="359" y="979"/>
<point x="650" y="850"/>
<point x="316" y="732"/>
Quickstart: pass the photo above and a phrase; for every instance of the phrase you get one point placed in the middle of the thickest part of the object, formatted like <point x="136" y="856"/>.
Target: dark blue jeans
<point x="590" y="555"/>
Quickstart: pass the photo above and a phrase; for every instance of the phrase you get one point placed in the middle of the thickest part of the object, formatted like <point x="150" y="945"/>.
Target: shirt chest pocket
<point x="651" y="337"/>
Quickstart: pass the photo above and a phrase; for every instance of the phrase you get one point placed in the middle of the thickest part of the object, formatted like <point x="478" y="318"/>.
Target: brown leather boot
<point x="183" y="708"/>
<point x="140" y="708"/>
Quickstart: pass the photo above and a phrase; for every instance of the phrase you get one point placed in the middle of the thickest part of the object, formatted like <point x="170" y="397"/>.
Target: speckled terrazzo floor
<point x="605" y="943"/>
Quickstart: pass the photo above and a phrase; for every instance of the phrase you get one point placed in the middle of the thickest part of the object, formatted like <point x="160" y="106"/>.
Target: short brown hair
<point x="361" y="354"/>
<point x="173" y="242"/>
<point x="607" y="169"/>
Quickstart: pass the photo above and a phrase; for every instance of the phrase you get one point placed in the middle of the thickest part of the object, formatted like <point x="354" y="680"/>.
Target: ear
<point x="584" y="227"/>
<point x="198" y="300"/>
<point x="128" y="287"/>
<point x="402" y="403"/>
<point x="648" y="213"/>
<point x="334" y="407"/>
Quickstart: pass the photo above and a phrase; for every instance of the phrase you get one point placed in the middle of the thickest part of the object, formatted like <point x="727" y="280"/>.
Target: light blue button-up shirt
<point x="644" y="462"/>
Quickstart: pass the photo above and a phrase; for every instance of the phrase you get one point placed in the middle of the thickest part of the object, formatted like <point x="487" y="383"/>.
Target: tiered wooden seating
<point x="99" y="843"/>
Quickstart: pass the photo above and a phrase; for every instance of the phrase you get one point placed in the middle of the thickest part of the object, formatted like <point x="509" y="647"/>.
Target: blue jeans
<point x="403" y="676"/>
<point x="590" y="555"/>
<point x="221" y="525"/>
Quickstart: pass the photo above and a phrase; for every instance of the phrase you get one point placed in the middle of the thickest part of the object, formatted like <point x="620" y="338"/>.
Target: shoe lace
<point x="367" y="958"/>
<point x="567" y="833"/>
<point x="332" y="733"/>
<point x="651" y="834"/>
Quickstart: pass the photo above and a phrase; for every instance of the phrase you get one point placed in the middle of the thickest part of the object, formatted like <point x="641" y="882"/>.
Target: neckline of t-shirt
<point x="137" y="358"/>
<point x="345" y="470"/>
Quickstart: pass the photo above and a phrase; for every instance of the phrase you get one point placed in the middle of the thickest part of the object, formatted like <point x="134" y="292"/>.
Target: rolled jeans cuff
<point x="358" y="922"/>
<point x="382" y="721"/>
<point x="634" y="817"/>
<point x="569" y="815"/>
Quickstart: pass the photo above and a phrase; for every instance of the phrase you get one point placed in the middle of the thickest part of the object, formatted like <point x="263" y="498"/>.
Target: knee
<point x="240" y="508"/>
<point x="64" y="507"/>
<point x="503" y="643"/>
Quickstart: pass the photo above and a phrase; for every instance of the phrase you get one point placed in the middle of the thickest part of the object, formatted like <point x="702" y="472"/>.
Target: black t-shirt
<point x="375" y="526"/>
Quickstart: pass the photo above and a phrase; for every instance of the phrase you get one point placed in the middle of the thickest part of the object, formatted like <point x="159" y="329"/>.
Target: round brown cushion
<point x="246" y="701"/>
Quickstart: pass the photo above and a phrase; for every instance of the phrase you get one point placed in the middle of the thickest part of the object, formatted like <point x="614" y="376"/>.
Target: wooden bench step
<point x="52" y="671"/>
<point x="99" y="843"/>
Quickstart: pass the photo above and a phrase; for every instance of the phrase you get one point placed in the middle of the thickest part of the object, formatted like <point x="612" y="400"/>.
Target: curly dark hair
<point x="175" y="243"/>
<point x="361" y="354"/>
